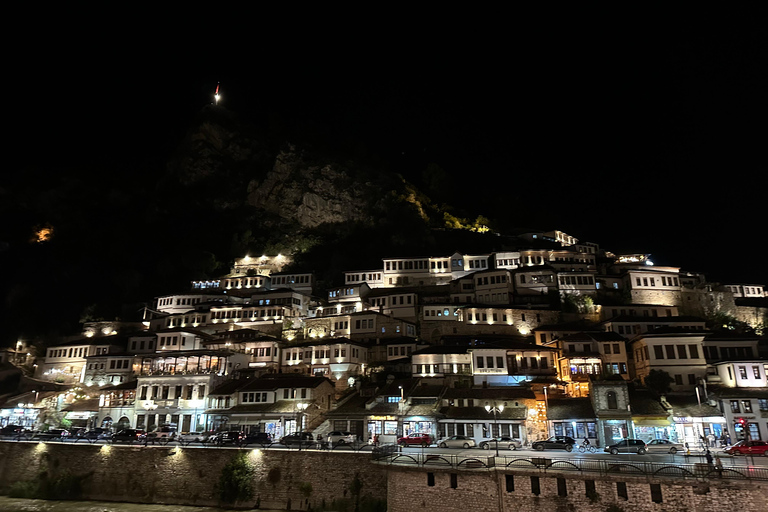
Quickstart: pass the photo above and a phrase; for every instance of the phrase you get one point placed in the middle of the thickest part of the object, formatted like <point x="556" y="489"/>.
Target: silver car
<point x="664" y="446"/>
<point x="457" y="442"/>
<point x="504" y="442"/>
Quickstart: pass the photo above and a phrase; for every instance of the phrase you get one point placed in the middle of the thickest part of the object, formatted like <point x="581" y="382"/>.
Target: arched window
<point x="611" y="398"/>
<point x="106" y="422"/>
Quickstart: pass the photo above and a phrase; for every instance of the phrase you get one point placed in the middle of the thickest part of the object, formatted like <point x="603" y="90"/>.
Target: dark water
<point x="25" y="505"/>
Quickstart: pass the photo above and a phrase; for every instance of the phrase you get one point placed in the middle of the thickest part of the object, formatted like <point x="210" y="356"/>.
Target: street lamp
<point x="301" y="406"/>
<point x="495" y="409"/>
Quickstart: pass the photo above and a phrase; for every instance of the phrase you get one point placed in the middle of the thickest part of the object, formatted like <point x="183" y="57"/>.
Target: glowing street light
<point x="495" y="409"/>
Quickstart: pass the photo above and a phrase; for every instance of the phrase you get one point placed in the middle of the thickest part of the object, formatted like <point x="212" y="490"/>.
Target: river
<point x="24" y="505"/>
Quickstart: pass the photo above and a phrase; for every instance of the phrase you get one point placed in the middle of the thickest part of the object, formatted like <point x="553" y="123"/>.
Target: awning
<point x="652" y="423"/>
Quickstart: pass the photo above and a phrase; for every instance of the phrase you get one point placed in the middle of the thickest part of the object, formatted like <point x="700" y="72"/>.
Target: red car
<point x="416" y="438"/>
<point x="748" y="448"/>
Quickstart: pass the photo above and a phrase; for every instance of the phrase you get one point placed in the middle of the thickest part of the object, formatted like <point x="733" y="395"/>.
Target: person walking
<point x="719" y="466"/>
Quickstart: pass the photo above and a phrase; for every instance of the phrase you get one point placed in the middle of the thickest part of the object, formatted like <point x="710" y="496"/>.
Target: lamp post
<point x="301" y="407"/>
<point x="494" y="409"/>
<point x="546" y="407"/>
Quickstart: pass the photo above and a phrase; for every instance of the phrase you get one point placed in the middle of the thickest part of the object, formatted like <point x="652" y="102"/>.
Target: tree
<point x="658" y="381"/>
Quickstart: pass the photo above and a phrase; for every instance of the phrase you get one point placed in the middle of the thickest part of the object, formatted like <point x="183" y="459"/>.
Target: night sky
<point x="647" y="140"/>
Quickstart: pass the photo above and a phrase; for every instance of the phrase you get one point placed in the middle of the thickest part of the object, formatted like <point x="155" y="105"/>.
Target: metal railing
<point x="579" y="465"/>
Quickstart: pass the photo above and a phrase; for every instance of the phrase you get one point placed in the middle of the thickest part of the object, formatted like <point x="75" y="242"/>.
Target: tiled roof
<point x="689" y="406"/>
<point x="509" y="413"/>
<point x="500" y="393"/>
<point x="570" y="408"/>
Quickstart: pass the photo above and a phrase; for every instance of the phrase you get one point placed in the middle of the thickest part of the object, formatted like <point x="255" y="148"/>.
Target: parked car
<point x="262" y="438"/>
<point x="195" y="437"/>
<point x="627" y="446"/>
<point x="457" y="442"/>
<point x="339" y="437"/>
<point x="12" y="430"/>
<point x="51" y="434"/>
<point x="227" y="437"/>
<point x="90" y="435"/>
<point x="415" y="438"/>
<point x="555" y="443"/>
<point x="664" y="446"/>
<point x="748" y="448"/>
<point x="298" y="438"/>
<point x="128" y="435"/>
<point x="503" y="442"/>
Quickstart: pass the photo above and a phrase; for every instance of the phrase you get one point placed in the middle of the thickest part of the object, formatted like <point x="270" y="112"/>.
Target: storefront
<point x="695" y="430"/>
<point x="649" y="429"/>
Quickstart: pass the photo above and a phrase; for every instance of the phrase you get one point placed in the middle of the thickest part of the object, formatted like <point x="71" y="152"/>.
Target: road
<point x="727" y="460"/>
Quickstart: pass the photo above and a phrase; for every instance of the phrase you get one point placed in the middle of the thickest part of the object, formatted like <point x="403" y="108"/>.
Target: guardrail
<point x="582" y="465"/>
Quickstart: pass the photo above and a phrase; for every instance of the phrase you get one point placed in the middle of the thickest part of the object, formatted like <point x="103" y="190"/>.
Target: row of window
<point x="651" y="281"/>
<point x="575" y="280"/>
<point x="164" y="392"/>
<point x="75" y="352"/>
<point x="669" y="352"/>
<point x="354" y="278"/>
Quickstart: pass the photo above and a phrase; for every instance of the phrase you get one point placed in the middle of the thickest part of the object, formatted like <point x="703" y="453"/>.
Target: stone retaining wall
<point x="504" y="490"/>
<point x="188" y="476"/>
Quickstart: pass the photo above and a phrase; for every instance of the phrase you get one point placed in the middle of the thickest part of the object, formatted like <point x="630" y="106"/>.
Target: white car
<point x="457" y="442"/>
<point x="339" y="438"/>
<point x="664" y="446"/>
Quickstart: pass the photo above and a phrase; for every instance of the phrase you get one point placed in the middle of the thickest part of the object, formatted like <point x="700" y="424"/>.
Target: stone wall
<point x="189" y="475"/>
<point x="482" y="489"/>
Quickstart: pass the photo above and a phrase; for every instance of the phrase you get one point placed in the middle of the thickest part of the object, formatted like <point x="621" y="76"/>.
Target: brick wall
<point x="161" y="475"/>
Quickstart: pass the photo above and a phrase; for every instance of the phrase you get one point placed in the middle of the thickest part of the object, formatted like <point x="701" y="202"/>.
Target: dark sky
<point x="645" y="140"/>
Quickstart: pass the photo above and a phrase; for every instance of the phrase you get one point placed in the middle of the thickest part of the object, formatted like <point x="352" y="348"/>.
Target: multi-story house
<point x="109" y="369"/>
<point x="630" y="326"/>
<point x="679" y="353"/>
<point x="510" y="363"/>
<point x="587" y="355"/>
<point x="263" y="351"/>
<point x="742" y="394"/>
<point x="363" y="325"/>
<point x="340" y="359"/>
<point x="67" y="361"/>
<point x="373" y="278"/>
<point x="747" y="291"/>
<point x="463" y="411"/>
<point x="172" y="386"/>
<point x="398" y="302"/>
<point x="277" y="404"/>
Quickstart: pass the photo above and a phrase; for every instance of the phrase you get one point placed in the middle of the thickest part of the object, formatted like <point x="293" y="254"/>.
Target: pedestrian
<point x="711" y="438"/>
<point x="719" y="466"/>
<point x="709" y="458"/>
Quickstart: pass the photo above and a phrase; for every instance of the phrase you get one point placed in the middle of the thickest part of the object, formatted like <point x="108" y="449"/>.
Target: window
<point x="535" y="485"/>
<point x="681" y="353"/>
<point x="621" y="490"/>
<point x="756" y="371"/>
<point x="611" y="400"/>
<point x="658" y="351"/>
<point x="694" y="351"/>
<point x="735" y="406"/>
<point x="692" y="379"/>
<point x="510" y="482"/>
<point x="743" y="372"/>
<point x="679" y="380"/>
<point x="747" y="405"/>
<point x="454" y="480"/>
<point x="430" y="476"/>
<point x="656" y="493"/>
<point x="562" y="488"/>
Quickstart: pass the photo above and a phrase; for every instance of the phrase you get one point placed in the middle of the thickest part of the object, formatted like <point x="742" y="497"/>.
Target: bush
<point x="26" y="490"/>
<point x="236" y="480"/>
